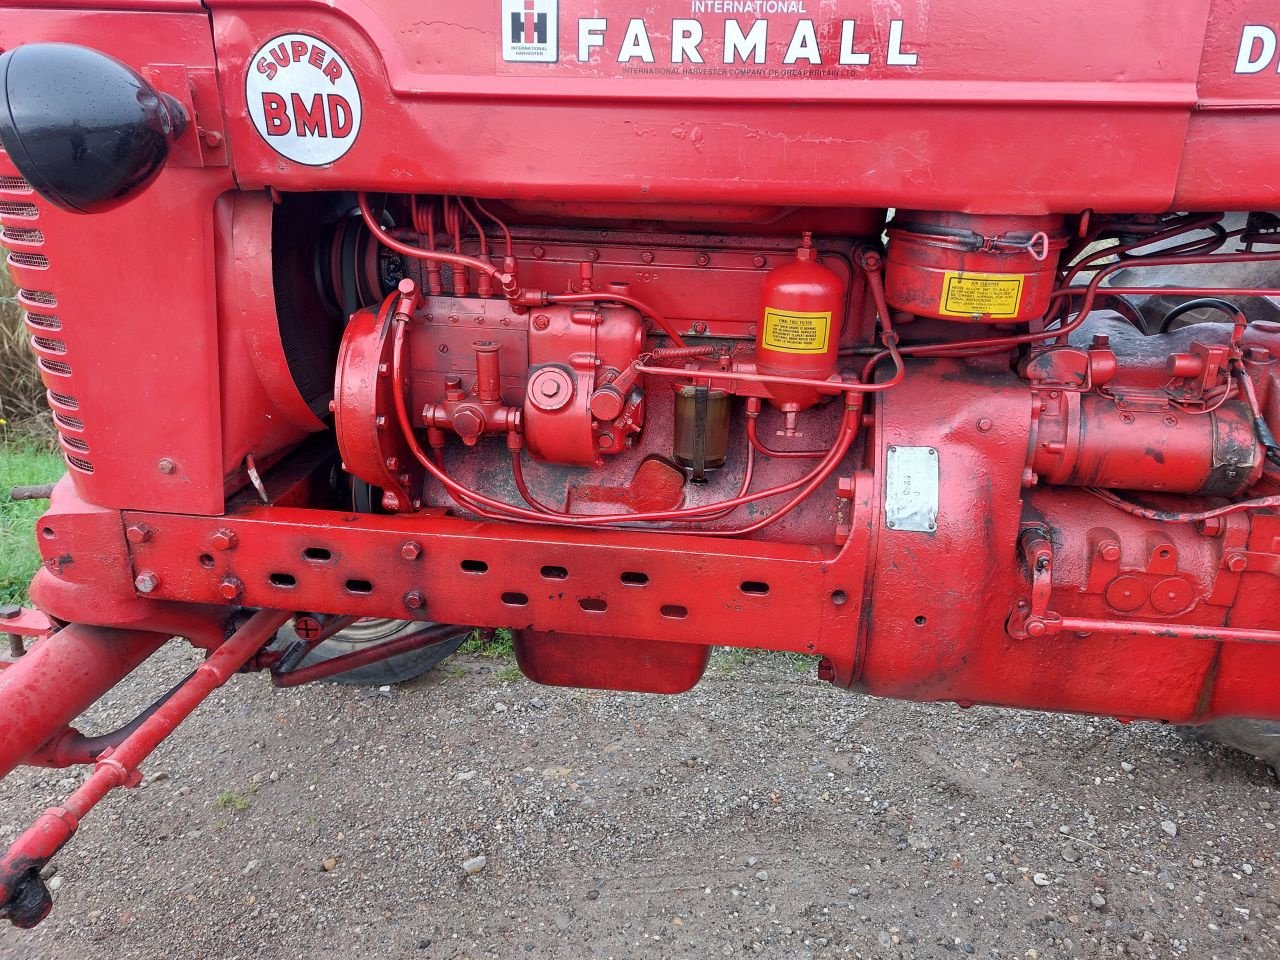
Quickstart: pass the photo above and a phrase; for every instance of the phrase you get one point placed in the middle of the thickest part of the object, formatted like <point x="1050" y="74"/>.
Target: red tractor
<point x="924" y="343"/>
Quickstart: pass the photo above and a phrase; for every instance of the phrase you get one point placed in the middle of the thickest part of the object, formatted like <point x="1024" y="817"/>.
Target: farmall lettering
<point x="303" y="99"/>
<point x="740" y="43"/>
<point x="765" y="37"/>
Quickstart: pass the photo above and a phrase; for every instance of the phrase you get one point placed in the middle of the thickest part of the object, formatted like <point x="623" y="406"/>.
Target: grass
<point x="497" y="644"/>
<point x="230" y="800"/>
<point x="22" y="462"/>
<point x="733" y="660"/>
<point x="21" y="393"/>
<point x="510" y="673"/>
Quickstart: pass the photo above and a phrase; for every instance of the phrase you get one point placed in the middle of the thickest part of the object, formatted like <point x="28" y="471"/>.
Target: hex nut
<point x="223" y="539"/>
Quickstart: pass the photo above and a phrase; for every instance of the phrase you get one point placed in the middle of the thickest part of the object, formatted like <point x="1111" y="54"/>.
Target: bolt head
<point x="1035" y="628"/>
<point x="167" y="466"/>
<point x="229" y="588"/>
<point x="411" y="550"/>
<point x="984" y="424"/>
<point x="1237" y="562"/>
<point x="137" y="533"/>
<point x="1109" y="550"/>
<point x="146" y="581"/>
<point x="223" y="539"/>
<point x="414" y="600"/>
<point x="307" y="627"/>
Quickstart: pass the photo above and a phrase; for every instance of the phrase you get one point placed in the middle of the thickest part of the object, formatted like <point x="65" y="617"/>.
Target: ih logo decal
<point x="303" y="99"/>
<point x="530" y="31"/>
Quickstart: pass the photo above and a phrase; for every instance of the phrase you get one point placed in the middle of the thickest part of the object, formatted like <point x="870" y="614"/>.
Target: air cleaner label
<point x="966" y="294"/>
<point x="789" y="331"/>
<point x="303" y="99"/>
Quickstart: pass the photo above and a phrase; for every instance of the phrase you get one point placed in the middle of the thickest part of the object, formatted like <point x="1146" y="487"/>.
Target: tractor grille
<point x="20" y="234"/>
<point x="35" y="261"/>
<point x="42" y="297"/>
<point x="23" y="235"/>
<point x="44" y="321"/>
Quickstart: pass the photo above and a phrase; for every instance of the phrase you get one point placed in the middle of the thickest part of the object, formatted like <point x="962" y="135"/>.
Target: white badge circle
<point x="303" y="99"/>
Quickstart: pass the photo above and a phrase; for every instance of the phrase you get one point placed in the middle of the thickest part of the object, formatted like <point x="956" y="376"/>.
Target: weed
<point x="497" y="644"/>
<point x="230" y="800"/>
<point x="510" y="673"/>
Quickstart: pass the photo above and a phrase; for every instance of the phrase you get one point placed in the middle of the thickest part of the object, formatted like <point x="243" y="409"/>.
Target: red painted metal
<point x="59" y="677"/>
<point x="20" y="866"/>
<point x="535" y="278"/>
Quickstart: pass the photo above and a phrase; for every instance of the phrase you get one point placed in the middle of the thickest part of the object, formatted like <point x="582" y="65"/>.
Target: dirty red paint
<point x="591" y="331"/>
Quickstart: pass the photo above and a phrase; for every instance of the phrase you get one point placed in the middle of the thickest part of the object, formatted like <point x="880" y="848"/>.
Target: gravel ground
<point x="763" y="814"/>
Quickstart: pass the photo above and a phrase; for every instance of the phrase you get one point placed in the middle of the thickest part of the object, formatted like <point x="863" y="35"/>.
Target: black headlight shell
<point x="86" y="131"/>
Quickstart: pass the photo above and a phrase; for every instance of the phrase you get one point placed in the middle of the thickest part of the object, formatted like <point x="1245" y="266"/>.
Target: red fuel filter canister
<point x="802" y="311"/>
<point x="966" y="267"/>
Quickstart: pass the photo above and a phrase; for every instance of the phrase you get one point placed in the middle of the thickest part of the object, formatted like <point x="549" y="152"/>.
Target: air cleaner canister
<point x="972" y="268"/>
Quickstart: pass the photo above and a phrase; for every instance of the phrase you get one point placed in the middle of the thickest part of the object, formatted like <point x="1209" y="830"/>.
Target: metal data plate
<point x="911" y="489"/>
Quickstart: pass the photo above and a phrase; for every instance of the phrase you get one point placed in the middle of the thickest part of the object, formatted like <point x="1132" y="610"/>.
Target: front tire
<point x="365" y="633"/>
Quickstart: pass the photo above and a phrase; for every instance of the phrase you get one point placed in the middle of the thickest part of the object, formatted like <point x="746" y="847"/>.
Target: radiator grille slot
<point x="21" y="234"/>
<point x="56" y="367"/>
<point x="50" y="344"/>
<point x="45" y="321"/>
<point x="39" y="316"/>
<point x="37" y="261"/>
<point x="42" y="297"/>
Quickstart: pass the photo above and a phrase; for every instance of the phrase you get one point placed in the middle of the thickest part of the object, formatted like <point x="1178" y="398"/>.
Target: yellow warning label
<point x="789" y="331"/>
<point x="967" y="294"/>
